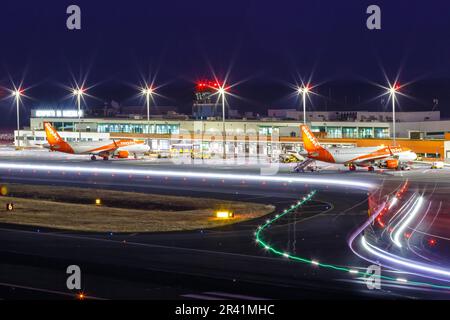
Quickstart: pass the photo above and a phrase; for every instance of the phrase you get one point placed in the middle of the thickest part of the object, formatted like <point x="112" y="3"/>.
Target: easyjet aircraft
<point x="393" y="157"/>
<point x="105" y="149"/>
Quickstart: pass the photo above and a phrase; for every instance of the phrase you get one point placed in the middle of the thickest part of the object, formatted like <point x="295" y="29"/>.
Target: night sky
<point x="265" y="44"/>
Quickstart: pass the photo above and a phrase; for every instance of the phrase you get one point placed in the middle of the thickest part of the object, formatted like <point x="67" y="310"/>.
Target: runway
<point x="222" y="263"/>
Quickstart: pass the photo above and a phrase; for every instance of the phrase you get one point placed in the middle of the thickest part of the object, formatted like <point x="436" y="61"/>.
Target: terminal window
<point x="381" y="132"/>
<point x="365" y="133"/>
<point x="433" y="155"/>
<point x="350" y="132"/>
<point x="334" y="132"/>
<point x="265" y="131"/>
<point x="139" y="128"/>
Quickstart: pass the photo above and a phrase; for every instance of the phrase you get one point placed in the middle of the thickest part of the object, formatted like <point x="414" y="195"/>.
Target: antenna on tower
<point x="435" y="103"/>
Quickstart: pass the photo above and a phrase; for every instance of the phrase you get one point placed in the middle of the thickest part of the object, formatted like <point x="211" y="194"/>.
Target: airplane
<point x="390" y="157"/>
<point x="105" y="149"/>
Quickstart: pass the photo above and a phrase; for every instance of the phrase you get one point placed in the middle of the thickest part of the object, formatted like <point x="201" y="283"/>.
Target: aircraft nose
<point x="146" y="148"/>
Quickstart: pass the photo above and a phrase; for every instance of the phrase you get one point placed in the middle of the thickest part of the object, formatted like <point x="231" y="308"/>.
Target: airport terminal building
<point x="423" y="132"/>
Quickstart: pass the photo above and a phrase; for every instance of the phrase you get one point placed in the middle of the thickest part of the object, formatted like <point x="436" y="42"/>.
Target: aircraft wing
<point x="371" y="158"/>
<point x="107" y="148"/>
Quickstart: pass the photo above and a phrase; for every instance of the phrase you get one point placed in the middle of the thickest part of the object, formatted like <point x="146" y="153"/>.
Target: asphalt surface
<point x="222" y="263"/>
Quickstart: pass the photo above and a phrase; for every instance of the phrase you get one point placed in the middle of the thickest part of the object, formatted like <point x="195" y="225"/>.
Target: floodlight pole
<point x="223" y="126"/>
<point x="148" y="112"/>
<point x="304" y="105"/>
<point x="18" y="118"/>
<point x="393" y="120"/>
<point x="79" y="114"/>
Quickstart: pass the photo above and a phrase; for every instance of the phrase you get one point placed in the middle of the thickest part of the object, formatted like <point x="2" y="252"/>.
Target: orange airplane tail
<point x="313" y="147"/>
<point x="54" y="139"/>
<point x="310" y="141"/>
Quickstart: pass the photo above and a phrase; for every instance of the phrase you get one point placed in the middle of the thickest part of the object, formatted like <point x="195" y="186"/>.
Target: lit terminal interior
<point x="429" y="139"/>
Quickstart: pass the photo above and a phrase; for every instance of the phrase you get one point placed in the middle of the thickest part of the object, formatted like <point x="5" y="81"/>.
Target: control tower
<point x="206" y="101"/>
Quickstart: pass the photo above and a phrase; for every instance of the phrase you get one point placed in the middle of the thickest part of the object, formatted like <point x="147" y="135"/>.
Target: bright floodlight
<point x="147" y="91"/>
<point x="394" y="89"/>
<point x="17" y="93"/>
<point x="78" y="92"/>
<point x="303" y="89"/>
<point x="221" y="91"/>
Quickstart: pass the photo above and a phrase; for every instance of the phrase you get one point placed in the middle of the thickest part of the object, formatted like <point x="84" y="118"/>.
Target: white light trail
<point x="393" y="202"/>
<point x="404" y="207"/>
<point x="187" y="174"/>
<point x="404" y="262"/>
<point x="398" y="216"/>
<point x="410" y="216"/>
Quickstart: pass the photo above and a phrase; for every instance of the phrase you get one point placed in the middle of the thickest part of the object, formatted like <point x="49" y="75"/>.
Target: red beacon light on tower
<point x="207" y="85"/>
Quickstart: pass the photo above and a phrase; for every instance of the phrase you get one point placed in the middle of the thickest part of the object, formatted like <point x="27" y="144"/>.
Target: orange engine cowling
<point x="392" y="163"/>
<point x="122" y="154"/>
